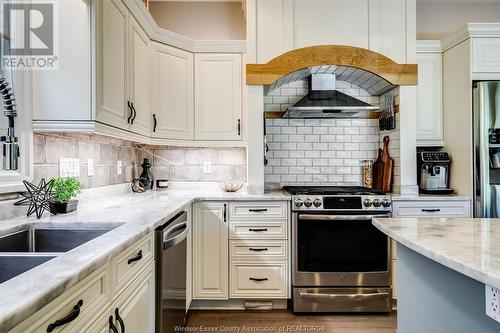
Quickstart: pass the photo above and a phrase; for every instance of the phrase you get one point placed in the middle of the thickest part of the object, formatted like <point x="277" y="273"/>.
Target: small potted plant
<point x="65" y="190"/>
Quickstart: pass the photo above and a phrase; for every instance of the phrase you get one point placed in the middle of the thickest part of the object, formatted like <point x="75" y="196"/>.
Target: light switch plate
<point x="492" y="302"/>
<point x="90" y="167"/>
<point x="69" y="167"/>
<point x="119" y="168"/>
<point x="207" y="167"/>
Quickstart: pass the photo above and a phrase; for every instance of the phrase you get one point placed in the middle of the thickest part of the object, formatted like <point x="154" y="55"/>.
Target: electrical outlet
<point x="90" y="167"/>
<point x="492" y="302"/>
<point x="69" y="167"/>
<point x="207" y="167"/>
<point x="119" y="168"/>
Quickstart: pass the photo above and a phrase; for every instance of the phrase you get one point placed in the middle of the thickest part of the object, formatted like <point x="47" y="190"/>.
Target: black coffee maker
<point x="433" y="172"/>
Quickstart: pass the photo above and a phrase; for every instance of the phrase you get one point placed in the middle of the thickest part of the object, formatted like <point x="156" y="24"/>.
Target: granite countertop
<point x="467" y="245"/>
<point x="133" y="214"/>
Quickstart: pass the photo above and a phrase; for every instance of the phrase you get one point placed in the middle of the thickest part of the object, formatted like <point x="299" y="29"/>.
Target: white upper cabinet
<point x="430" y="130"/>
<point x="278" y="26"/>
<point x="387" y="28"/>
<point x="123" y="73"/>
<point x="218" y="97"/>
<point x="112" y="69"/>
<point x="172" y="93"/>
<point x="330" y="22"/>
<point x="140" y="78"/>
<point x="486" y="55"/>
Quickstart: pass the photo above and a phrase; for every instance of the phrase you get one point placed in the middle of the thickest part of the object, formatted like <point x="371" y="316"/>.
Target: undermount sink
<point x="14" y="265"/>
<point x="31" y="247"/>
<point x="47" y="239"/>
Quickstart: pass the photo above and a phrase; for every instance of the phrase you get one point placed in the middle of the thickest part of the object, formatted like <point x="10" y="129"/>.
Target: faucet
<point x="10" y="147"/>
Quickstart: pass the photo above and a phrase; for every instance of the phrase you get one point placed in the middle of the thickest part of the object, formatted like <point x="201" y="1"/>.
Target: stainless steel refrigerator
<point x="486" y="101"/>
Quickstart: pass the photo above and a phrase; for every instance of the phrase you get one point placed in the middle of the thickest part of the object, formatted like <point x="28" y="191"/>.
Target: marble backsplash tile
<point x="173" y="163"/>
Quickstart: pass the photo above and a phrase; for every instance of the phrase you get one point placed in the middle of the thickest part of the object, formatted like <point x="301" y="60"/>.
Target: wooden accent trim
<point x="340" y="55"/>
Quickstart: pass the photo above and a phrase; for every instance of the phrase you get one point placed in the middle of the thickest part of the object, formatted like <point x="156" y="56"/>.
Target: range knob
<point x="367" y="202"/>
<point x="298" y="203"/>
<point x="308" y="203"/>
<point x="317" y="203"/>
<point x="386" y="203"/>
<point x="377" y="203"/>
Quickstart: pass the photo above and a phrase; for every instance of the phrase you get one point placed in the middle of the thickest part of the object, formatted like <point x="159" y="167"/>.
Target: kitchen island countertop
<point x="467" y="245"/>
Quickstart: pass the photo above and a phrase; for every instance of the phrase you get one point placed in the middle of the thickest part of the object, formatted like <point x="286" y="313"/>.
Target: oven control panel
<point x="346" y="203"/>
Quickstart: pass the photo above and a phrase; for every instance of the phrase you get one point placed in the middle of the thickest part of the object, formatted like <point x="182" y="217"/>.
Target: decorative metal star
<point x="37" y="197"/>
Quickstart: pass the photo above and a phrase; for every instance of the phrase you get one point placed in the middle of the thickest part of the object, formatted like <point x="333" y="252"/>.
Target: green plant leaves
<point x="66" y="188"/>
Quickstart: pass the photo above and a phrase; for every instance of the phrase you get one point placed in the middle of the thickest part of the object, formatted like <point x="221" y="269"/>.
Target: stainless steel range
<point x="340" y="262"/>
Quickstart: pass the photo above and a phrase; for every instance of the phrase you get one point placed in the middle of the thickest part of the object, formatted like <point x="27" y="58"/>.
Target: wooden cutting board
<point x="388" y="163"/>
<point x="378" y="172"/>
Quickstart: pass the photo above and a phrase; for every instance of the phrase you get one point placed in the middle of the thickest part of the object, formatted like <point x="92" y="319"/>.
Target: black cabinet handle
<point x="135" y="113"/>
<point x="257" y="230"/>
<point x="258" y="280"/>
<point x="69" y="318"/>
<point x="155" y="122"/>
<point x="131" y="112"/>
<point x="136" y="258"/>
<point x="434" y="210"/>
<point x="120" y="320"/>
<point x="239" y="126"/>
<point x="258" y="210"/>
<point x="257" y="250"/>
<point x="225" y="213"/>
<point x="111" y="325"/>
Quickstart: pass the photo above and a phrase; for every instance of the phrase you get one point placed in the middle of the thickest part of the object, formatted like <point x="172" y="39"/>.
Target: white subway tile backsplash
<point x="323" y="151"/>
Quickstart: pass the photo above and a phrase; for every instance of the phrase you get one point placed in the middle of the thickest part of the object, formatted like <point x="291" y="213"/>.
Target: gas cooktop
<point x="338" y="198"/>
<point x="331" y="190"/>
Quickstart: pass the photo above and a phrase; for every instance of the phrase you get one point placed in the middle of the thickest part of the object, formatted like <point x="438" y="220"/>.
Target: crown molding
<point x="164" y="36"/>
<point x="471" y="30"/>
<point x="429" y="46"/>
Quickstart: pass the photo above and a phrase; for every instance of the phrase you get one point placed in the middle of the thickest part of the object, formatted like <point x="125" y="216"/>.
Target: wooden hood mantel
<point x="339" y="55"/>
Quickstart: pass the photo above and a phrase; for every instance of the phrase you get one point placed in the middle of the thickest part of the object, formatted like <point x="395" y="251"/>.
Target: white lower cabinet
<point x="210" y="251"/>
<point x="133" y="310"/>
<point x="240" y="250"/>
<point x="92" y="304"/>
<point x="459" y="208"/>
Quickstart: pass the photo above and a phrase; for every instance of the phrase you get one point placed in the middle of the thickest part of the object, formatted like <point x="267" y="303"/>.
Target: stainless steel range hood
<point x="323" y="101"/>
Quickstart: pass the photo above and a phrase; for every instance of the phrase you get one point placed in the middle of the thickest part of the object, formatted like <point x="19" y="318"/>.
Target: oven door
<point x="339" y="250"/>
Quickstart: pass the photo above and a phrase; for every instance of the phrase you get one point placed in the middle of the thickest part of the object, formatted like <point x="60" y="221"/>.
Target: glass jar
<point x="367" y="173"/>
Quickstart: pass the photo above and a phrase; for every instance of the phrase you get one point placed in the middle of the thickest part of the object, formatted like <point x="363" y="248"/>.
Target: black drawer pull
<point x="258" y="210"/>
<point x="434" y="210"/>
<point x="135" y="113"/>
<point x="257" y="250"/>
<point x="257" y="230"/>
<point x="258" y="280"/>
<point x="69" y="318"/>
<point x="155" y="122"/>
<point x="136" y="258"/>
<point x="111" y="325"/>
<point x="120" y="320"/>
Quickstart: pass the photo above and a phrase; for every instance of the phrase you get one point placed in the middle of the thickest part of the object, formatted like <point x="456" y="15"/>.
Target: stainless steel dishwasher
<point x="171" y="246"/>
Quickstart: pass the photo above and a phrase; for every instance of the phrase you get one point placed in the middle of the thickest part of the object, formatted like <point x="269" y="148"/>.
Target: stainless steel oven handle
<point x="341" y="217"/>
<point x="354" y="296"/>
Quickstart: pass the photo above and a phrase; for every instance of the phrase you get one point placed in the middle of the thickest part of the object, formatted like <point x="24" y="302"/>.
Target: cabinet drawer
<point x="260" y="250"/>
<point x="432" y="208"/>
<point x="258" y="280"/>
<point x="131" y="262"/>
<point x="486" y="55"/>
<point x="258" y="211"/>
<point x="85" y="300"/>
<point x="243" y="230"/>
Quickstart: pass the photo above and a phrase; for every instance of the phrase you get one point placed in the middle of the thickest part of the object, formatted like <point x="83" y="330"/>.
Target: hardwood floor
<point x="286" y="321"/>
